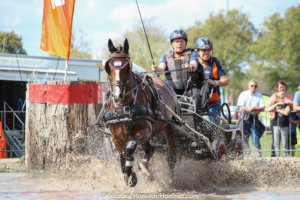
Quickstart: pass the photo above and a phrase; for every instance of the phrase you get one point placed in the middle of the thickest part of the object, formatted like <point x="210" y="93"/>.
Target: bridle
<point x="118" y="64"/>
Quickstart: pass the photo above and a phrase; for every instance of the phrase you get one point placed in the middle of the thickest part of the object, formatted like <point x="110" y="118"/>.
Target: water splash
<point x="90" y="174"/>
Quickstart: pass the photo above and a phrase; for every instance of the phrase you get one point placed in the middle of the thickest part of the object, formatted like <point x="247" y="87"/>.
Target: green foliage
<point x="267" y="55"/>
<point x="11" y="43"/>
<point x="277" y="49"/>
<point x="75" y="53"/>
<point x="231" y="34"/>
<point x="138" y="47"/>
<point x="78" y="43"/>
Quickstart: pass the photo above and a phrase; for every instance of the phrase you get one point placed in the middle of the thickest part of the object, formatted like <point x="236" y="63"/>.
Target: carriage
<point x="205" y="140"/>
<point x="139" y="107"/>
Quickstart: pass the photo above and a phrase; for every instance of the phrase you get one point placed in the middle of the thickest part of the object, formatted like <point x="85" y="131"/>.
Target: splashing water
<point x="230" y="176"/>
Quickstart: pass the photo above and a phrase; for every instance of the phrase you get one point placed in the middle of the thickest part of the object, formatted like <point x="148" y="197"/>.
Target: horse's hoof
<point x="172" y="184"/>
<point x="131" y="180"/>
<point x="150" y="178"/>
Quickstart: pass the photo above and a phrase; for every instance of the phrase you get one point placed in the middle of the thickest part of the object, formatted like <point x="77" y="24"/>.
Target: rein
<point x="142" y="85"/>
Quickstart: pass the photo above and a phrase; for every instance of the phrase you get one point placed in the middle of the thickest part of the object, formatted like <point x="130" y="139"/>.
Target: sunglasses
<point x="254" y="86"/>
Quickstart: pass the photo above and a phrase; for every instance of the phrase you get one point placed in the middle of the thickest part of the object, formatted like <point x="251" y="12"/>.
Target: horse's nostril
<point x="117" y="98"/>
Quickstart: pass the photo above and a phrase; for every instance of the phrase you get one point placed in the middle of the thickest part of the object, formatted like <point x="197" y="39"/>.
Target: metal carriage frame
<point x="210" y="140"/>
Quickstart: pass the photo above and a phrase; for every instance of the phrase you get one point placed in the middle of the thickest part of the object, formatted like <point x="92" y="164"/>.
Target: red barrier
<point x="3" y="153"/>
<point x="66" y="94"/>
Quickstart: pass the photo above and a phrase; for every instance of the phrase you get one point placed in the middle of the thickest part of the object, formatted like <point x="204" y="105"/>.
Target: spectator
<point x="214" y="75"/>
<point x="296" y="105"/>
<point x="281" y="86"/>
<point x="281" y="123"/>
<point x="251" y="103"/>
<point x="295" y="120"/>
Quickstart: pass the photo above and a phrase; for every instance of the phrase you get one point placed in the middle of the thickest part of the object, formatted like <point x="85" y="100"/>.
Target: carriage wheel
<point x="221" y="150"/>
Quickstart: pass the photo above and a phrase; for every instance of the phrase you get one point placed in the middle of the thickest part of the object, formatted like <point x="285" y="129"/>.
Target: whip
<point x="145" y="32"/>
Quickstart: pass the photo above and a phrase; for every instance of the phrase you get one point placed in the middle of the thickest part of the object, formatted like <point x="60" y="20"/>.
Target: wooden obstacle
<point x="59" y="116"/>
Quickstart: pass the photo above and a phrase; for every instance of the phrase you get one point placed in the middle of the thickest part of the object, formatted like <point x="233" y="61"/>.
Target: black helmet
<point x="204" y="43"/>
<point x="178" y="34"/>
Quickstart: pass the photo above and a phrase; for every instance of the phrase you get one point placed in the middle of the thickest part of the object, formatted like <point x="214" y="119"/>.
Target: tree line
<point x="267" y="55"/>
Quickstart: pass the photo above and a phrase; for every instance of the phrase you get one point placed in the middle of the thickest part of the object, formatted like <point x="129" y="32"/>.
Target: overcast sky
<point x="104" y="19"/>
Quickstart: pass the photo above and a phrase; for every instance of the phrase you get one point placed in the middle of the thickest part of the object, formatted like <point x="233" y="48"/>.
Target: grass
<point x="266" y="142"/>
<point x="12" y="165"/>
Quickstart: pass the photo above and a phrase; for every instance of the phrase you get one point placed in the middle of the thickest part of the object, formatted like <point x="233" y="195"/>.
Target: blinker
<point x="118" y="64"/>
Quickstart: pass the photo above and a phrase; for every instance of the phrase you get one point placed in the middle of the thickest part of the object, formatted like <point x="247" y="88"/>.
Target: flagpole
<point x="66" y="70"/>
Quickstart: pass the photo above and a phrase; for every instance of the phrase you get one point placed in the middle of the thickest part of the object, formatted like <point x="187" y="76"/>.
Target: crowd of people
<point x="196" y="72"/>
<point x="283" y="112"/>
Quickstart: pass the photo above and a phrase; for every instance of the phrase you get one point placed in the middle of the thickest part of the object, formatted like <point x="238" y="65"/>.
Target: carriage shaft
<point x="201" y="136"/>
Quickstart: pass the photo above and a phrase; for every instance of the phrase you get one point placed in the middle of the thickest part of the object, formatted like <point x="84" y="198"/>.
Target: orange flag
<point x="57" y="27"/>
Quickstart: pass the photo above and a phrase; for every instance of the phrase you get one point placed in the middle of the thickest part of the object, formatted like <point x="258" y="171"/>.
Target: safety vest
<point x="178" y="77"/>
<point x="216" y="93"/>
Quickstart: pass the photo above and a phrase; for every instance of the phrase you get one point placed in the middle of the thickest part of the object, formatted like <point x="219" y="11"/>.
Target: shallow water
<point x="251" y="178"/>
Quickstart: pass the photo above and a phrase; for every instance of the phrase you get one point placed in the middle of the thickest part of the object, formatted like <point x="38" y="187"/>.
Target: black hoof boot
<point x="131" y="179"/>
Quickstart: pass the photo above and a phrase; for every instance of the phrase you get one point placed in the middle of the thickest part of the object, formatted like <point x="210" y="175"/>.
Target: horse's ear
<point x="107" y="68"/>
<point x="126" y="46"/>
<point x="111" y="46"/>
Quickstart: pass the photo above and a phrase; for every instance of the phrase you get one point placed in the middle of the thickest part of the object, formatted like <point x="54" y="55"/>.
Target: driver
<point x="176" y="64"/>
<point x="214" y="75"/>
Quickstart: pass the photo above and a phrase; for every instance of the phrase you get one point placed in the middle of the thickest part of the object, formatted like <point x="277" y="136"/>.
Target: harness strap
<point x="145" y="79"/>
<point x="130" y="130"/>
<point x="130" y="114"/>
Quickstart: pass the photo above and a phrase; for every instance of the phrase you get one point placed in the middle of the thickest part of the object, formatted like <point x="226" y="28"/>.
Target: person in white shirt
<point x="296" y="105"/>
<point x="252" y="103"/>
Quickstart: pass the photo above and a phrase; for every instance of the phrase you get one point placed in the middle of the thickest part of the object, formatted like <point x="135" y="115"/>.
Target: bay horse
<point x="135" y="112"/>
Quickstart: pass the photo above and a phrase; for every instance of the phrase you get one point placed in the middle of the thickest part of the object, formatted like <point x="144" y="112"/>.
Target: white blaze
<point x="117" y="88"/>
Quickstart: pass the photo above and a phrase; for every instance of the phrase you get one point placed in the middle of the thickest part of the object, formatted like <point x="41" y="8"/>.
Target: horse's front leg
<point x="122" y="161"/>
<point x="129" y="175"/>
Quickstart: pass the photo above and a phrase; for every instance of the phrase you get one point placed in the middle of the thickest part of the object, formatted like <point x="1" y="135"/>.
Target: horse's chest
<point x="120" y="130"/>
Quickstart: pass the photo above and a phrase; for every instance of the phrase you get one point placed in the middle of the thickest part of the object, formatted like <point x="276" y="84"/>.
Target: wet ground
<point x="251" y="178"/>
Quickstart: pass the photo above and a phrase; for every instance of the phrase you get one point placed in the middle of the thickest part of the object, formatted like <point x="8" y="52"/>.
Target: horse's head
<point x="118" y="68"/>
